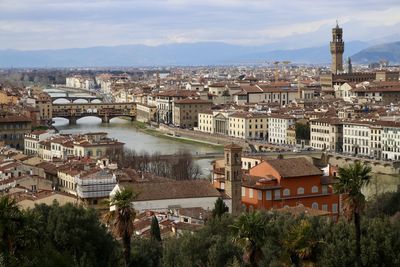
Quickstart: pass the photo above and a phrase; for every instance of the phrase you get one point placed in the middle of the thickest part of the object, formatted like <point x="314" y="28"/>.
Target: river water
<point x="126" y="132"/>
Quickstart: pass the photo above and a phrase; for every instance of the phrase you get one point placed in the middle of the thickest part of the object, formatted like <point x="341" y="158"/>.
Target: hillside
<point x="387" y="51"/>
<point x="182" y="54"/>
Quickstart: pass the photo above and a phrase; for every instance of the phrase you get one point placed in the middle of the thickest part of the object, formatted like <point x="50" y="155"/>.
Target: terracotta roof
<point x="177" y="93"/>
<point x="232" y="145"/>
<point x="218" y="84"/>
<point x="328" y="180"/>
<point x="15" y="118"/>
<point x="192" y="101"/>
<point x="173" y="190"/>
<point x="251" y="88"/>
<point x="248" y="115"/>
<point x="294" y="167"/>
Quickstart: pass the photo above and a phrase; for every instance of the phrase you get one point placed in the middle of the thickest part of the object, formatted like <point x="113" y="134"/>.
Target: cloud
<point x="36" y="24"/>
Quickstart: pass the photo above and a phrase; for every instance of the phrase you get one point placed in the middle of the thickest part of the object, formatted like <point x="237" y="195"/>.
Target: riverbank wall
<point x="212" y="138"/>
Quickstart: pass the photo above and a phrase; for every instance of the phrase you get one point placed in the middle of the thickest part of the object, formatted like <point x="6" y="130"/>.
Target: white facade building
<point x="277" y="128"/>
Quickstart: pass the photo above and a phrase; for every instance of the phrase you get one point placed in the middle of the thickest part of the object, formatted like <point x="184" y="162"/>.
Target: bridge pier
<point x="105" y="119"/>
<point x="72" y="120"/>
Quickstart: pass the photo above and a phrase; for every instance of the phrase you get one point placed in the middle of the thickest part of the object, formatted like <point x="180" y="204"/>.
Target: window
<point x="314" y="189"/>
<point x="268" y="195"/>
<point x="325" y="207"/>
<point x="259" y="195"/>
<point x="251" y="192"/>
<point x="277" y="194"/>
<point x="314" y="205"/>
<point x="286" y="192"/>
<point x="243" y="191"/>
<point x="300" y="191"/>
<point x="324" y="189"/>
<point x="335" y="208"/>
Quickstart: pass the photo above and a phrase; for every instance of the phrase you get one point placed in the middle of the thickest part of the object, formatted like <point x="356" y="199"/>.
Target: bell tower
<point x="337" y="49"/>
<point x="233" y="176"/>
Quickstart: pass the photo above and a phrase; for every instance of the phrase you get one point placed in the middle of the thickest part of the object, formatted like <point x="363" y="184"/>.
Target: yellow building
<point x="146" y="113"/>
<point x="97" y="149"/>
<point x="291" y="135"/>
<point x="185" y="112"/>
<point x="206" y="121"/>
<point x="248" y="125"/>
<point x="7" y="98"/>
<point x="45" y="106"/>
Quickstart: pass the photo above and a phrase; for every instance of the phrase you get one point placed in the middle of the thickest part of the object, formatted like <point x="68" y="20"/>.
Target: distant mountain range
<point x="388" y="51"/>
<point x="183" y="54"/>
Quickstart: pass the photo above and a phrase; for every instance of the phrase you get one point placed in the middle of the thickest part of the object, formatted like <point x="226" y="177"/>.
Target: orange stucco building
<point x="280" y="183"/>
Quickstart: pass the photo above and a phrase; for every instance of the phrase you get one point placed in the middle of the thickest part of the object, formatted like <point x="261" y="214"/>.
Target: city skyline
<point x="45" y="24"/>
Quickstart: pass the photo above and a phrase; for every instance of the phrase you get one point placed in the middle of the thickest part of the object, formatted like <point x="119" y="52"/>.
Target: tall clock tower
<point x="233" y="176"/>
<point x="337" y="49"/>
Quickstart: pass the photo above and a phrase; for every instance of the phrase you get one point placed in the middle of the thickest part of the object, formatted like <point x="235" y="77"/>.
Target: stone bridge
<point x="105" y="111"/>
<point x="73" y="98"/>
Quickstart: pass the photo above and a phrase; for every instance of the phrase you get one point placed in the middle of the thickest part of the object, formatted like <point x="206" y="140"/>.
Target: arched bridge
<point x="105" y="111"/>
<point x="72" y="99"/>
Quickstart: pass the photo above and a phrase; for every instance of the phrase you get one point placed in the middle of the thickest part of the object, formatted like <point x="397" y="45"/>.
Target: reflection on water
<point x="125" y="131"/>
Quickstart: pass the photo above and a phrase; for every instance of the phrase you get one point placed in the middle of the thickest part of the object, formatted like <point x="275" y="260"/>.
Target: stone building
<point x="186" y="111"/>
<point x="337" y="49"/>
<point x="13" y="129"/>
<point x="233" y="176"/>
<point x="326" y="134"/>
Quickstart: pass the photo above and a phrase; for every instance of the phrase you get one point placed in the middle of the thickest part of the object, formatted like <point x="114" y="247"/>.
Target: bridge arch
<point x="81" y="100"/>
<point x="60" y="100"/>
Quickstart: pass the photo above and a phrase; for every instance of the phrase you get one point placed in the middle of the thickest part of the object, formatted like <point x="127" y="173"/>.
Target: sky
<point x="55" y="24"/>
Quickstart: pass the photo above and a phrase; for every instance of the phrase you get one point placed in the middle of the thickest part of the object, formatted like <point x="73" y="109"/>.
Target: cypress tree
<point x="155" y="229"/>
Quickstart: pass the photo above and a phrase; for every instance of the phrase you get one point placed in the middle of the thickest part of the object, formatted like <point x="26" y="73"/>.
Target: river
<point x="126" y="132"/>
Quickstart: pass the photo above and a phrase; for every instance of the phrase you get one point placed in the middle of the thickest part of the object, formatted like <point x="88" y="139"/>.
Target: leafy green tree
<point x="77" y="231"/>
<point x="121" y="218"/>
<point x="387" y="203"/>
<point x="146" y="253"/>
<point x="249" y="232"/>
<point x="302" y="131"/>
<point x="219" y="208"/>
<point x="210" y="246"/>
<point x="55" y="236"/>
<point x="351" y="181"/>
<point x="339" y="242"/>
<point x="11" y="220"/>
<point x="155" y="229"/>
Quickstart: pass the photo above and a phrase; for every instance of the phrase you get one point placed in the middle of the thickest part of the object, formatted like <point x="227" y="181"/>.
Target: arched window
<point x="314" y="189"/>
<point x="314" y="205"/>
<point x="300" y="191"/>
<point x="286" y="192"/>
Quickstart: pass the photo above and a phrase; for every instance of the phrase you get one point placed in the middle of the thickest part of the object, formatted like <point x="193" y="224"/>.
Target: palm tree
<point x="121" y="218"/>
<point x="301" y="244"/>
<point x="350" y="182"/>
<point x="249" y="231"/>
